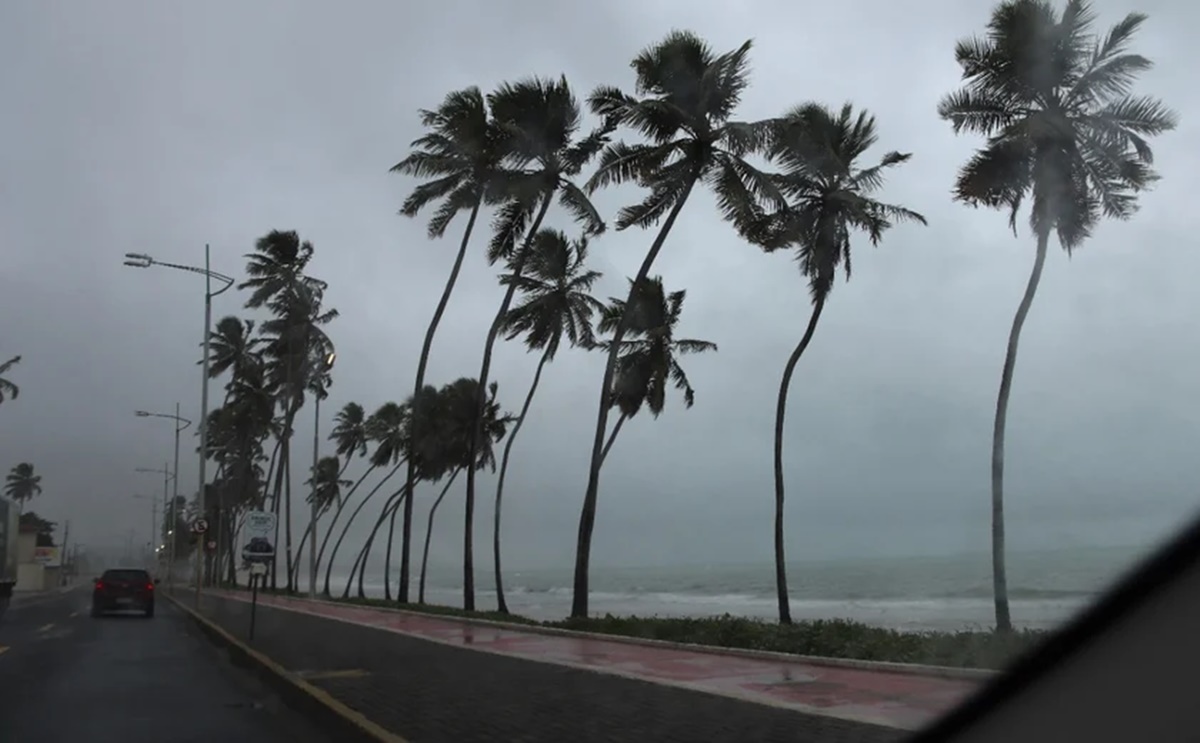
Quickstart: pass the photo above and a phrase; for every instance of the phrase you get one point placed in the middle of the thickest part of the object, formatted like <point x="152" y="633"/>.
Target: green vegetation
<point x="7" y="387"/>
<point x="832" y="638"/>
<point x="22" y="485"/>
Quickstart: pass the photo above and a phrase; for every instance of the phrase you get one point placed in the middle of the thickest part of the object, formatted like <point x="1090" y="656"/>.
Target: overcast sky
<point x="161" y="126"/>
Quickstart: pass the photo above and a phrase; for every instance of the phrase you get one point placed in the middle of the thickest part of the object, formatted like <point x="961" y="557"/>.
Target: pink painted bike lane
<point x="897" y="699"/>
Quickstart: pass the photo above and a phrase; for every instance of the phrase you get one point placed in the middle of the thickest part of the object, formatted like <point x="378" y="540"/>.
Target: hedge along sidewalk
<point x="878" y="695"/>
<point x="522" y="624"/>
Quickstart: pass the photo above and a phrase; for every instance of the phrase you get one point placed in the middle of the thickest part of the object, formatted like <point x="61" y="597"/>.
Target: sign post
<point x="257" y="552"/>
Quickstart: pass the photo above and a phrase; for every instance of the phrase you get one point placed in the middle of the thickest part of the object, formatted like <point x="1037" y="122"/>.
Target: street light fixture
<point x="153" y="515"/>
<point x="142" y="260"/>
<point x="312" y="544"/>
<point x="180" y="425"/>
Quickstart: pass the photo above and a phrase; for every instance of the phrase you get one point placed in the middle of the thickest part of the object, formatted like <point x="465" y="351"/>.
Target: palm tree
<point x="457" y="423"/>
<point x="540" y="119"/>
<point x="328" y="493"/>
<point x="688" y="96"/>
<point x="555" y="302"/>
<point x="386" y="427"/>
<point x="648" y="359"/>
<point x="22" y="485"/>
<point x="7" y="387"/>
<point x="349" y="434"/>
<point x="1066" y="135"/>
<point x="829" y="195"/>
<point x="233" y="347"/>
<point x="461" y="156"/>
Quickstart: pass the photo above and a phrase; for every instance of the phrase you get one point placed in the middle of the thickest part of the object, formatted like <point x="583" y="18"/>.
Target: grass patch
<point x="829" y="638"/>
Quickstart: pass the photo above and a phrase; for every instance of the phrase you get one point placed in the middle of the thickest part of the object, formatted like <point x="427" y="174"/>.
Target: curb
<point x="910" y="669"/>
<point x="297" y="693"/>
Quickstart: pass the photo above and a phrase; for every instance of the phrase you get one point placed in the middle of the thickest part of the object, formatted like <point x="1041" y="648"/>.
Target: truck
<point x="9" y="536"/>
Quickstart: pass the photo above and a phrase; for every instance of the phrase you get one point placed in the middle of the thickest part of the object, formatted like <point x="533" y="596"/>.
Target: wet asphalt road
<point x="65" y="676"/>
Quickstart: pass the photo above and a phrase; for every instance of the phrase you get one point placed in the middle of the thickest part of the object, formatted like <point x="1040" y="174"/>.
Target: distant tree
<point x="22" y="485"/>
<point x="42" y="527"/>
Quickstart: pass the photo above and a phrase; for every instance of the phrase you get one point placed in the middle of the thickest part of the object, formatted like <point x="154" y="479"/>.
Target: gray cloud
<point x="159" y="127"/>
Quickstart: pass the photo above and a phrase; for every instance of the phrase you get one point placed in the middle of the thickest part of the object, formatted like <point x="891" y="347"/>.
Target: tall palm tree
<point x="327" y="493"/>
<point x="386" y="427"/>
<point x="829" y="195"/>
<point x="349" y="434"/>
<point x="1066" y="135"/>
<point x="22" y="485"/>
<point x="686" y="98"/>
<point x="555" y="302"/>
<point x="294" y="342"/>
<point x="648" y="360"/>
<point x="460" y="156"/>
<point x="233" y="347"/>
<point x="458" y="423"/>
<point x="6" y="386"/>
<point x="540" y="119"/>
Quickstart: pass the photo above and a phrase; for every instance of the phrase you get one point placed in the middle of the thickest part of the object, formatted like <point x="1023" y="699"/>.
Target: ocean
<point x="911" y="593"/>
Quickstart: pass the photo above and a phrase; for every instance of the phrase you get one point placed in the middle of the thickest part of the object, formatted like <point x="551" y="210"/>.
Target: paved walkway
<point x="897" y="700"/>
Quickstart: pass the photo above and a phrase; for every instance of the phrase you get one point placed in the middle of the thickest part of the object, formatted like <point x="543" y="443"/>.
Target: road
<point x="66" y="676"/>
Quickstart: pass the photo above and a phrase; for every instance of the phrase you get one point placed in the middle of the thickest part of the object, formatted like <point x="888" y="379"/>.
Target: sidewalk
<point x="902" y="701"/>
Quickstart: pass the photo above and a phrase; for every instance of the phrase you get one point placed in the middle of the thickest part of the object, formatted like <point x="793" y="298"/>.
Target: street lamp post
<point x="141" y="260"/>
<point x="153" y="519"/>
<point x="312" y="544"/>
<point x="180" y="424"/>
<point x="166" y="473"/>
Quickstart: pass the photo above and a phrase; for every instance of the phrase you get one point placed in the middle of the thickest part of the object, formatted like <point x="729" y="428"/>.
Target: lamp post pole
<point x="141" y="260"/>
<point x="169" y="507"/>
<point x="312" y="544"/>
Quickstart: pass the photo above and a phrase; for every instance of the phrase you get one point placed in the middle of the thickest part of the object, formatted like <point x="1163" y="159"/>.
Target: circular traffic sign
<point x="200" y="526"/>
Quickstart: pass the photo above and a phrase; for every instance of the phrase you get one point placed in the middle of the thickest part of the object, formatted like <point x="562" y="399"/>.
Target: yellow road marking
<point x="347" y="673"/>
<point x="46" y="628"/>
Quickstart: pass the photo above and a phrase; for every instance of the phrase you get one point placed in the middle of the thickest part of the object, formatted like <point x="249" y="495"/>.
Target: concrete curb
<point x="911" y="669"/>
<point x="297" y="693"/>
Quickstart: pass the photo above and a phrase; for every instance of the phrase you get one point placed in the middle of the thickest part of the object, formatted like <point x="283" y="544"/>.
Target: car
<point x="123" y="589"/>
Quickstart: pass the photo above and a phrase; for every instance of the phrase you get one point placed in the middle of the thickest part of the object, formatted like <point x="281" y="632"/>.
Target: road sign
<point x="199" y="526"/>
<point x="258" y="535"/>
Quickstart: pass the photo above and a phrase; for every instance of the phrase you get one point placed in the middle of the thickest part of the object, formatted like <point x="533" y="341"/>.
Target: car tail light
<point x="150" y="586"/>
<point x="99" y="585"/>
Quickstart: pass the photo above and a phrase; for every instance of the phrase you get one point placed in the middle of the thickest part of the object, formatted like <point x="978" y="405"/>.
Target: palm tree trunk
<point x="300" y="547"/>
<point x="338" y="512"/>
<point x="387" y="554"/>
<point x="275" y="507"/>
<point x="410" y="479"/>
<point x="613" y="437"/>
<point x="587" y="517"/>
<point x="501" y="604"/>
<point x="781" y="584"/>
<point x="999" y="570"/>
<point x="481" y="399"/>
<point x="429" y="536"/>
<point x="349" y="521"/>
<point x="287" y="507"/>
<point x="359" y="569"/>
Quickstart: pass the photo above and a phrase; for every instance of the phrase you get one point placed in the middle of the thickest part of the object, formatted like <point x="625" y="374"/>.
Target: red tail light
<point x="99" y="585"/>
<point x="150" y="586"/>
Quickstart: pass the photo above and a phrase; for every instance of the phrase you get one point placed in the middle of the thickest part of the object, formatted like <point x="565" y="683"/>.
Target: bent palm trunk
<point x="781" y="585"/>
<point x="501" y="604"/>
<point x="429" y="535"/>
<point x="359" y="568"/>
<point x="612" y="437"/>
<point x="346" y="528"/>
<point x="999" y="570"/>
<point x="410" y="479"/>
<point x="587" y="516"/>
<point x="336" y="514"/>
<point x="481" y="394"/>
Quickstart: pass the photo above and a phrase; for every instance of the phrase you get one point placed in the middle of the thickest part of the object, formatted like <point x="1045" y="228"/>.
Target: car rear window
<point x="129" y="576"/>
